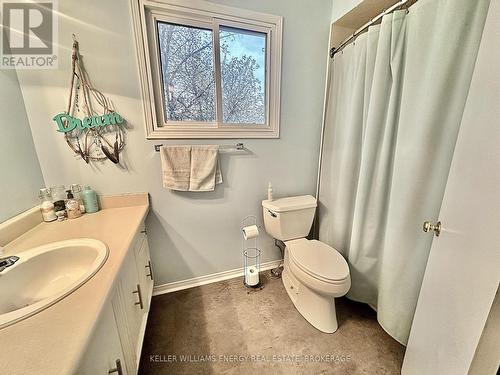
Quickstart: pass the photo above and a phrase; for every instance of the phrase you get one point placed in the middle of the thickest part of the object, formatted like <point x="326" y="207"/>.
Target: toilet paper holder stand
<point x="251" y="253"/>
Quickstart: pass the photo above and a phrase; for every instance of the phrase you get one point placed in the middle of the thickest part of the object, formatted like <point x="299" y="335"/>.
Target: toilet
<point x="314" y="274"/>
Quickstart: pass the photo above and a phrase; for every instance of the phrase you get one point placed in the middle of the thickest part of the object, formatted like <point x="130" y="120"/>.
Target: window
<point x="186" y="56"/>
<point x="208" y="72"/>
<point x="243" y="76"/>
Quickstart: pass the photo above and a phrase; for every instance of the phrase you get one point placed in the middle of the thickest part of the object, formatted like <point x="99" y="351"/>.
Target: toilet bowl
<point x="314" y="273"/>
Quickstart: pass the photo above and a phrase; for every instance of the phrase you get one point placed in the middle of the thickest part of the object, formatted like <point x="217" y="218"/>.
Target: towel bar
<point x="225" y="148"/>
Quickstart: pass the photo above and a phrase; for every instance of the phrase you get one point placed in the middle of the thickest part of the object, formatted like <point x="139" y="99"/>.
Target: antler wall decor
<point x="100" y="135"/>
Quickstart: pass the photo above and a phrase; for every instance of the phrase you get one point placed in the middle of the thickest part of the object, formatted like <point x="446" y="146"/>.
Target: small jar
<point x="58" y="192"/>
<point x="46" y="205"/>
<point x="59" y="198"/>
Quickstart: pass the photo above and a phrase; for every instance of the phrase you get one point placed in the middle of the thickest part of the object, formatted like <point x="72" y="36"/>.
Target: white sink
<point x="44" y="275"/>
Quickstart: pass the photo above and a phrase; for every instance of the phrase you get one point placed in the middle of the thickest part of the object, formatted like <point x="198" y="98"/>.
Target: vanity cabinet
<point x="124" y="317"/>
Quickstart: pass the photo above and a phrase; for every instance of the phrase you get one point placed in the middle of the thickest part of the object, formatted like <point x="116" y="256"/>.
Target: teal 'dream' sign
<point x="66" y="123"/>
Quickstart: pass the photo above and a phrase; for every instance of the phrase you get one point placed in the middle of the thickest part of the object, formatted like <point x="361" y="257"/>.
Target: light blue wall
<point x="341" y="7"/>
<point x="20" y="173"/>
<point x="191" y="234"/>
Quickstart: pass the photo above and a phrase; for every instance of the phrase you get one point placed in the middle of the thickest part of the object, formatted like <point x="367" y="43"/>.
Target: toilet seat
<point x="318" y="260"/>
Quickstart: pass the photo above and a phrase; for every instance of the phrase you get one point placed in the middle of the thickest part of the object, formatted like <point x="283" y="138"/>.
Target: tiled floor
<point x="224" y="328"/>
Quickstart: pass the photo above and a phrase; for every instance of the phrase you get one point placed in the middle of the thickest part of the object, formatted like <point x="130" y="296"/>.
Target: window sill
<point x="212" y="133"/>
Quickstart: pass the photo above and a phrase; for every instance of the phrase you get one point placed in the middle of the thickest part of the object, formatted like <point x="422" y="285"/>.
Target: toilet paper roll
<point x="252" y="276"/>
<point x="251" y="231"/>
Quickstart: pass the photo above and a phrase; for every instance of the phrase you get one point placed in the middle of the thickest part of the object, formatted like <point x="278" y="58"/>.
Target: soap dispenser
<point x="72" y="206"/>
<point x="270" y="197"/>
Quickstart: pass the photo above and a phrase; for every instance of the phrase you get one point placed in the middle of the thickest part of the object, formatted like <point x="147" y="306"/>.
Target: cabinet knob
<point x="118" y="369"/>
<point x="139" y="294"/>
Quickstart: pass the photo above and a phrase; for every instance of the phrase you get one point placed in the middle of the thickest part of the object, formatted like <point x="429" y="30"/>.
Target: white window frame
<point x="198" y="13"/>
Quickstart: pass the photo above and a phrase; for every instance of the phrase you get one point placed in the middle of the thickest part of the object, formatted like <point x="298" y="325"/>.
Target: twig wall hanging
<point x="91" y="126"/>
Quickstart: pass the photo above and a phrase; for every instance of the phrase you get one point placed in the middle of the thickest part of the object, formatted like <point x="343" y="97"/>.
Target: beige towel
<point x="191" y="168"/>
<point x="176" y="167"/>
<point x="205" y="170"/>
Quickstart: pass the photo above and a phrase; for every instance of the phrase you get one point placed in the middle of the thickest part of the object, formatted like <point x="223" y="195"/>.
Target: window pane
<point x="243" y="75"/>
<point x="186" y="55"/>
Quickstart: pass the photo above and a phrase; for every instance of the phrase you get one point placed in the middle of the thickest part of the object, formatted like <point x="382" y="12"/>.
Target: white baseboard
<point x="208" y="279"/>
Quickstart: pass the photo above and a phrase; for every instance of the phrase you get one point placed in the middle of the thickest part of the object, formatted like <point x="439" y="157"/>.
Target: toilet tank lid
<point x="290" y="203"/>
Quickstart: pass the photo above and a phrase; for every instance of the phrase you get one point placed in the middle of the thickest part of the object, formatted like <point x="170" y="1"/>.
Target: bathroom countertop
<point x="53" y="340"/>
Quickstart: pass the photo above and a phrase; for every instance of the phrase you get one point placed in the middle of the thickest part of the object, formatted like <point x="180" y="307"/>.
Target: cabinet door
<point x="104" y="352"/>
<point x="128" y="306"/>
<point x="145" y="271"/>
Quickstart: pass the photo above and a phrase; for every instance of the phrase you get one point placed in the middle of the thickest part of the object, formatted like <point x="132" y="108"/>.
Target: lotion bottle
<point x="90" y="200"/>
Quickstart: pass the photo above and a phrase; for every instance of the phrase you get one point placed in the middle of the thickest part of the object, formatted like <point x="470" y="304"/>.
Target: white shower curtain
<point x="395" y="104"/>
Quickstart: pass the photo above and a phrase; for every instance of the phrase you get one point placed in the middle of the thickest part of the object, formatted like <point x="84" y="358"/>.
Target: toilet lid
<point x="318" y="259"/>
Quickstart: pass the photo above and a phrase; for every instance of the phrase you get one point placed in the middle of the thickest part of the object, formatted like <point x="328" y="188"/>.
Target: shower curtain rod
<point x="403" y="4"/>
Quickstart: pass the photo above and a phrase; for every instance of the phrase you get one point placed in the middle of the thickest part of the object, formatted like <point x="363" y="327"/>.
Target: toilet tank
<point x="289" y="218"/>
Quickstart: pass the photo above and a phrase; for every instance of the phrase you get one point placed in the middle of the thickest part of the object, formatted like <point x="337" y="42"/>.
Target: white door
<point x="463" y="270"/>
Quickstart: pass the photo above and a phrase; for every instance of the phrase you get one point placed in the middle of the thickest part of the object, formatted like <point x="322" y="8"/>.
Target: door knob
<point x="427" y="227"/>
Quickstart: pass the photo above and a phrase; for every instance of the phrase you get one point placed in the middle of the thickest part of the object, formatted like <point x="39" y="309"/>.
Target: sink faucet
<point x="6" y="261"/>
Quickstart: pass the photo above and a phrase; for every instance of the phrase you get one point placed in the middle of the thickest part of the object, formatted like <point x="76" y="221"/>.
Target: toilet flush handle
<point x="273" y="214"/>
